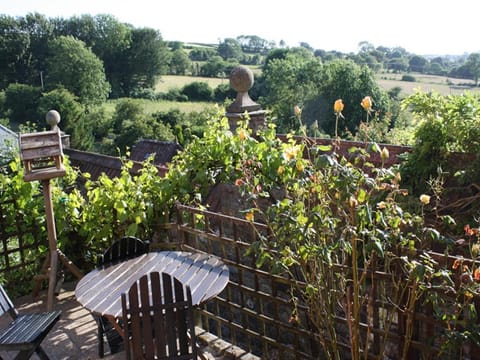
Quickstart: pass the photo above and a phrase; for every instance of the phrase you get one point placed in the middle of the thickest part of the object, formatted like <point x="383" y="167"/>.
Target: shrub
<point x="410" y="78"/>
<point x="175" y="94"/>
<point x="198" y="91"/>
<point x="21" y="102"/>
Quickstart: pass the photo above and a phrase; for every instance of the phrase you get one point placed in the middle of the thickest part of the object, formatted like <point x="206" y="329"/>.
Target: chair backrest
<point x="125" y="248"/>
<point x="6" y="305"/>
<point x="158" y="318"/>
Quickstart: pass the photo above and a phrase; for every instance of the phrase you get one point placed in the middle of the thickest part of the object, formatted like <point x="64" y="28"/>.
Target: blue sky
<point x="422" y="27"/>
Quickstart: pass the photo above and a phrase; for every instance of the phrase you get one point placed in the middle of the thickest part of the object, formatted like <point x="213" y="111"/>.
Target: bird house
<point x="42" y="155"/>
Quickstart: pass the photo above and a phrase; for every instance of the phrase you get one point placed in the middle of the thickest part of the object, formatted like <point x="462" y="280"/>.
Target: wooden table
<point x="100" y="290"/>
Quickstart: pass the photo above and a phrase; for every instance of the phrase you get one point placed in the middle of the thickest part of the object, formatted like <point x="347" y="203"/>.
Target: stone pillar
<point x="53" y="119"/>
<point x="241" y="80"/>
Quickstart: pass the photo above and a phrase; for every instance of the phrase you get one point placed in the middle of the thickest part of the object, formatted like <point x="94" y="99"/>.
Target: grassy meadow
<point x="168" y="82"/>
<point x="151" y="106"/>
<point x="440" y="84"/>
<point x="425" y="83"/>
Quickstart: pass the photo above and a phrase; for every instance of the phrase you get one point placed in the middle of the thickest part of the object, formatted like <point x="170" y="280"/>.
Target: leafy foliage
<point x="325" y="214"/>
<point x="74" y="120"/>
<point x="21" y="103"/>
<point x="72" y="65"/>
<point x="447" y="125"/>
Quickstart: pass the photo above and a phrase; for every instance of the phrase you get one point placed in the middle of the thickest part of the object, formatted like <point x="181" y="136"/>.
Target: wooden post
<point x="52" y="242"/>
<point x="42" y="156"/>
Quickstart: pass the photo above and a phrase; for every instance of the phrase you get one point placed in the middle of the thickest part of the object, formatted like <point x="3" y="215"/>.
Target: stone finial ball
<point x="241" y="79"/>
<point x="53" y="118"/>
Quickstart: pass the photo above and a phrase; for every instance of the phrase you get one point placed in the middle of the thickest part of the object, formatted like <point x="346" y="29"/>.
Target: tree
<point x="131" y="124"/>
<point x="202" y="54"/>
<point x="198" y="91"/>
<point x="14" y="52"/>
<point x="146" y="59"/>
<point x="107" y="37"/>
<point x="74" y="121"/>
<point x="397" y="64"/>
<point x="230" y="49"/>
<point x="288" y="82"/>
<point x="180" y="62"/>
<point x="253" y="44"/>
<point x="72" y="65"/>
<point x="40" y="31"/>
<point x="214" y="67"/>
<point x="306" y="46"/>
<point x="343" y="79"/>
<point x="21" y="102"/>
<point x="417" y="63"/>
<point x="473" y="64"/>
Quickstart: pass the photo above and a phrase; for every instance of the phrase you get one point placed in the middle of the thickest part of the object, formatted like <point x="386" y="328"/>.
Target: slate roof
<point x="164" y="151"/>
<point x="95" y="164"/>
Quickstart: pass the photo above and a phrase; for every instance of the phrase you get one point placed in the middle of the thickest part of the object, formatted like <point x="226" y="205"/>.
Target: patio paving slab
<point x="74" y="336"/>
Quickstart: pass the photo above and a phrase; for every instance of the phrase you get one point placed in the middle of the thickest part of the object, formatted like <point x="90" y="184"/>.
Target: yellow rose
<point x="384" y="154"/>
<point x="291" y="152"/>
<point x="297" y="110"/>
<point x="475" y="249"/>
<point x="338" y="106"/>
<point x="353" y="202"/>
<point x="280" y="170"/>
<point x="425" y="199"/>
<point x="381" y="205"/>
<point x="396" y="180"/>
<point x="249" y="216"/>
<point x="242" y="134"/>
<point x="367" y="103"/>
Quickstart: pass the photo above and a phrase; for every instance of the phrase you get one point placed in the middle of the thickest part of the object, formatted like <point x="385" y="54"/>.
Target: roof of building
<point x="163" y="151"/>
<point x="97" y="164"/>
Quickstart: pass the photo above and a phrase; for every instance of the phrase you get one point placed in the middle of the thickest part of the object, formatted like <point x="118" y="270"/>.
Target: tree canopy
<point x="72" y="65"/>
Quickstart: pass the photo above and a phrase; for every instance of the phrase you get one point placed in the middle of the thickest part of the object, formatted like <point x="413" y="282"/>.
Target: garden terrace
<point x="262" y="312"/>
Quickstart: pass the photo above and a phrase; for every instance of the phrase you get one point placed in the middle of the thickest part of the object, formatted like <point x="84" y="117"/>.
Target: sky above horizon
<point x="423" y="27"/>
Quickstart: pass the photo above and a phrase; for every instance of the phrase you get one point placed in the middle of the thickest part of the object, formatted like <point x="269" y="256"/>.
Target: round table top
<point x="100" y="290"/>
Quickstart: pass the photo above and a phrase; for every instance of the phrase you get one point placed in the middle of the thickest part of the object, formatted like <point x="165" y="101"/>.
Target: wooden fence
<point x="19" y="244"/>
<point x="255" y="311"/>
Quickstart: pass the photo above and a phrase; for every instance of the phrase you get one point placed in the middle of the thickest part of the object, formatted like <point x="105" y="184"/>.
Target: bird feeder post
<point x="42" y="157"/>
<point x="52" y="243"/>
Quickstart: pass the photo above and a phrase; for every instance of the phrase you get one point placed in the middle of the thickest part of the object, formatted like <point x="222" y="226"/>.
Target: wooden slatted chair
<point x="26" y="332"/>
<point x="128" y="247"/>
<point x="158" y="317"/>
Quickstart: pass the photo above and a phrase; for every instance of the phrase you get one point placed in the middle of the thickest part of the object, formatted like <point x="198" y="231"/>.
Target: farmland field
<point x="426" y="83"/>
<point x="168" y="82"/>
<point x="151" y="106"/>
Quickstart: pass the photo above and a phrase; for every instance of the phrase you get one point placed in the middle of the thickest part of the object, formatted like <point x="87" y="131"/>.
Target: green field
<point x="150" y="106"/>
<point x="168" y="82"/>
<point x="426" y="83"/>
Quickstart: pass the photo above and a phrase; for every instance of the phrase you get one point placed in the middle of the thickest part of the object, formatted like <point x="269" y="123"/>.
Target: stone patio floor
<point x="74" y="337"/>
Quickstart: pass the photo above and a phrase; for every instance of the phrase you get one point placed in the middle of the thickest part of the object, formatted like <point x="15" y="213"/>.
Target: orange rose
<point x="338" y="106"/>
<point x="367" y="103"/>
